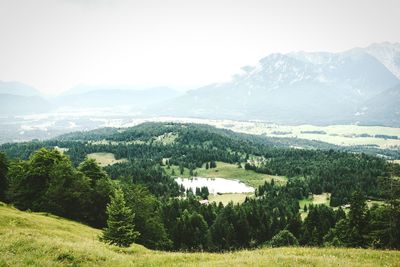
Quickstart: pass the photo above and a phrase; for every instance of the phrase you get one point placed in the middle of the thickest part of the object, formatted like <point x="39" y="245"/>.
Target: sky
<point x="54" y="45"/>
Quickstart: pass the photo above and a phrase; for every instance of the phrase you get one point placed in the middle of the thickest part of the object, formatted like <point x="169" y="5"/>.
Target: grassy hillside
<point x="44" y="240"/>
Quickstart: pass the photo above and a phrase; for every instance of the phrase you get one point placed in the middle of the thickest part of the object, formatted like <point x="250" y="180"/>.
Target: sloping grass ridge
<point x="40" y="239"/>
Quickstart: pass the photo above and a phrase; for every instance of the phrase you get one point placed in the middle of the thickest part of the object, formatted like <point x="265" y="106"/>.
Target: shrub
<point x="284" y="238"/>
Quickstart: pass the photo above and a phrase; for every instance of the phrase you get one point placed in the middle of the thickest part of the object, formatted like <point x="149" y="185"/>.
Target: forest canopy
<point x="37" y="176"/>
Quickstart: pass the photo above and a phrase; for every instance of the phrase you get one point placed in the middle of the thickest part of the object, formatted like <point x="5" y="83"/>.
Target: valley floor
<point x="40" y="239"/>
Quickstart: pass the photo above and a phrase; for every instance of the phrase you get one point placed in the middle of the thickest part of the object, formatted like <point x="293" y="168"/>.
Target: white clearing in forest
<point x="105" y="159"/>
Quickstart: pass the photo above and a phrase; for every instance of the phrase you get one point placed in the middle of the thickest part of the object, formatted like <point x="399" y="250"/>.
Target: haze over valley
<point x="357" y="87"/>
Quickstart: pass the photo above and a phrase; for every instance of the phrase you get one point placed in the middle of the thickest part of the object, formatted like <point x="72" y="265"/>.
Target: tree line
<point x="49" y="182"/>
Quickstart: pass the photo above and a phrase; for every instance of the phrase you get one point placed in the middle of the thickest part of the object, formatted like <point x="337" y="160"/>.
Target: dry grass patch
<point x="105" y="159"/>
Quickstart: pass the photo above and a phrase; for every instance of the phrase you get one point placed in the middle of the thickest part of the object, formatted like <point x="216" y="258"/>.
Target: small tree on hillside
<point x="120" y="228"/>
<point x="283" y="239"/>
<point x="213" y="164"/>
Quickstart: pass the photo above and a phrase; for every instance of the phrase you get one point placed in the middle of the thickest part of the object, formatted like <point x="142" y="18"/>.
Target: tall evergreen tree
<point x="3" y="176"/>
<point x="358" y="220"/>
<point x="120" y="228"/>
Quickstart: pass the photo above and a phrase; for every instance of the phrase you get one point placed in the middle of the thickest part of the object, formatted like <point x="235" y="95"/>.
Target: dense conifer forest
<point x="37" y="176"/>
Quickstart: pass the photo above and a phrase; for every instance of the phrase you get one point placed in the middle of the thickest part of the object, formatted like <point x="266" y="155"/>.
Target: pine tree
<point x="358" y="220"/>
<point x="3" y="177"/>
<point x="120" y="228"/>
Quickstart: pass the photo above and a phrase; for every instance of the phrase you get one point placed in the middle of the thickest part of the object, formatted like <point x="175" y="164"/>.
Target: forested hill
<point x="62" y="180"/>
<point x="153" y="131"/>
<point x="158" y="139"/>
<point x="145" y="147"/>
<point x="168" y="135"/>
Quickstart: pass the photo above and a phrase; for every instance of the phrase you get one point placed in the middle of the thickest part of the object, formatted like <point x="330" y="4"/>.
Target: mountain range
<point x="109" y="97"/>
<point x="361" y="85"/>
<point x="20" y="99"/>
<point x="301" y="87"/>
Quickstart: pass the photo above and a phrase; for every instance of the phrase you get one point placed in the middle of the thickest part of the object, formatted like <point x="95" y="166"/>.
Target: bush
<point x="284" y="238"/>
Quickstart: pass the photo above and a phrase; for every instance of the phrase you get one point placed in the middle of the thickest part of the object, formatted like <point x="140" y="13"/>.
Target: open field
<point x="105" y="159"/>
<point x="226" y="198"/>
<point x="230" y="171"/>
<point x="315" y="200"/>
<point x="343" y="135"/>
<point x="324" y="198"/>
<point x="370" y="203"/>
<point x="37" y="239"/>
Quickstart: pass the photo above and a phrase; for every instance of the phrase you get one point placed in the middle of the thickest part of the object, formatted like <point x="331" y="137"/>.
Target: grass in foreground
<point x="231" y="171"/>
<point x="38" y="239"/>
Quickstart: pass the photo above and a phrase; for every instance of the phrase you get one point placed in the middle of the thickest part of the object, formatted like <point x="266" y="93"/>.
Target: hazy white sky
<point x="57" y="44"/>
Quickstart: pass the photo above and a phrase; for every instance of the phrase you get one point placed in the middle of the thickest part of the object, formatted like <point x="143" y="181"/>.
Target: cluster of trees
<point x="272" y="218"/>
<point x="48" y="182"/>
<point x="72" y="186"/>
<point x="339" y="173"/>
<point x="211" y="165"/>
<point x="147" y="173"/>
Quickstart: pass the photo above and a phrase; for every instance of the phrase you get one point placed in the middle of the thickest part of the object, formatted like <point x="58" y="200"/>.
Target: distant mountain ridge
<point x="20" y="99"/>
<point x="22" y="105"/>
<point x="356" y="86"/>
<point x="107" y="97"/>
<point x="300" y="87"/>
<point x="17" y="88"/>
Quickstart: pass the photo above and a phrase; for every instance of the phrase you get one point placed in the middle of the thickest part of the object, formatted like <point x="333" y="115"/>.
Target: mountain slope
<point x="107" y="97"/>
<point x="17" y="88"/>
<point x="383" y="107"/>
<point x="318" y="88"/>
<point x="39" y="239"/>
<point x="20" y="105"/>
<point x="388" y="54"/>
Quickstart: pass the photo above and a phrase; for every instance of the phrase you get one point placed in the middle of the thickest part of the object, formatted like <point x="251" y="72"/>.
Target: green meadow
<point x="40" y="239"/>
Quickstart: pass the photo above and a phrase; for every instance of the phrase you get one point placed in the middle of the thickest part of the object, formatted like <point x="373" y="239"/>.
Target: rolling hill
<point x="41" y="239"/>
